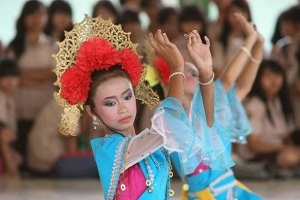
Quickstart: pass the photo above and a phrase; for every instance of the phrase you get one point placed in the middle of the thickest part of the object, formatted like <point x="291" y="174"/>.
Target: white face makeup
<point x="115" y="104"/>
<point x="191" y="75"/>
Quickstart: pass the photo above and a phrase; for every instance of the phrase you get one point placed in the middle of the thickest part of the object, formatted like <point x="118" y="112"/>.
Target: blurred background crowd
<point x="30" y="144"/>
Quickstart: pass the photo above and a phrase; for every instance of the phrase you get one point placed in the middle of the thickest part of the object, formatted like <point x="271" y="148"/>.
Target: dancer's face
<point x="115" y="104"/>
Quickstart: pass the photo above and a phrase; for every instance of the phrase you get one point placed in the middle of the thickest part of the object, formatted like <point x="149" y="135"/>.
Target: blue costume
<point x="230" y="124"/>
<point x="169" y="122"/>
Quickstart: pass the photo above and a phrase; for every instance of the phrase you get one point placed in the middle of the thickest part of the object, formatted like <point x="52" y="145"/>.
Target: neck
<point x="33" y="37"/>
<point x="271" y="98"/>
<point x="130" y="131"/>
<point x="109" y="131"/>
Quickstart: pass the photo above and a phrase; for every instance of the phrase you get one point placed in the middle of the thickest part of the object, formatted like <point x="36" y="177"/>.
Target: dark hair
<point x="193" y="13"/>
<point x="107" y="5"/>
<point x="243" y="5"/>
<point x="9" y="67"/>
<point x="128" y="16"/>
<point x="101" y="76"/>
<point x="291" y="14"/>
<point x="164" y="14"/>
<point x="18" y="43"/>
<point x="58" y="6"/>
<point x="277" y="30"/>
<point x="122" y="2"/>
<point x="295" y="137"/>
<point x="2" y="125"/>
<point x="146" y="3"/>
<point x="283" y="94"/>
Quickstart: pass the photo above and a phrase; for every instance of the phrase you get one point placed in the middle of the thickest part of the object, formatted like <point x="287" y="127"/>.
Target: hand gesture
<point x="260" y="39"/>
<point x="199" y="52"/>
<point x="167" y="50"/>
<point x="247" y="27"/>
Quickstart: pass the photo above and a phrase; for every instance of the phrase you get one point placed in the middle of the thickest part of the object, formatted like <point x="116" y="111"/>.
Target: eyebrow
<point x="113" y="97"/>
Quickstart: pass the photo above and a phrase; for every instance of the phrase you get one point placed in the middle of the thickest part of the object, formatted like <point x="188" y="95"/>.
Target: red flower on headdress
<point x="130" y="62"/>
<point x="163" y="69"/>
<point x="96" y="54"/>
<point x="75" y="85"/>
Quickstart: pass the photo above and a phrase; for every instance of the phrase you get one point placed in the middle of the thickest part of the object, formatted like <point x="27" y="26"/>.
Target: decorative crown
<point x="94" y="44"/>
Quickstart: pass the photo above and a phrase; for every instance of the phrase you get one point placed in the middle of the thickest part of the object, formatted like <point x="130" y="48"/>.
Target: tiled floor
<point x="89" y="189"/>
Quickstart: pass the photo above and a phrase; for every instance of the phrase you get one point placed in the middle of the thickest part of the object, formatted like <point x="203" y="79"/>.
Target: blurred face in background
<point x="153" y="8"/>
<point x="289" y="28"/>
<point x="170" y="27"/>
<point x="9" y="84"/>
<point x="61" y="21"/>
<point x="231" y="17"/>
<point x="271" y="82"/>
<point x="36" y="21"/>
<point x="189" y="26"/>
<point x="106" y="14"/>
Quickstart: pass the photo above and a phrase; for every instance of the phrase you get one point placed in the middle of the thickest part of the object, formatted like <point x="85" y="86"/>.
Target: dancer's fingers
<point x="153" y="41"/>
<point x="197" y="36"/>
<point x="166" y="38"/>
<point x="207" y="40"/>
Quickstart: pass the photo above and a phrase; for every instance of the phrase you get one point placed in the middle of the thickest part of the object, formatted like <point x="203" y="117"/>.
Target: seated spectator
<point x="52" y="154"/>
<point x="59" y="20"/>
<point x="9" y="79"/>
<point x="271" y="115"/>
<point x="231" y="37"/>
<point x="167" y="19"/>
<point x="151" y="8"/>
<point x="286" y="52"/>
<point x="33" y="51"/>
<point x="131" y="23"/>
<point x="191" y="18"/>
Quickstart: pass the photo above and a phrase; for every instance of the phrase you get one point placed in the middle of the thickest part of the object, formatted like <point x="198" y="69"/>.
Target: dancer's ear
<point x="89" y="111"/>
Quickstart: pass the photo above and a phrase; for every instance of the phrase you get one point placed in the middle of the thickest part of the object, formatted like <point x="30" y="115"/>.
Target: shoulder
<point x="255" y="105"/>
<point x="254" y="101"/>
<point x="106" y="141"/>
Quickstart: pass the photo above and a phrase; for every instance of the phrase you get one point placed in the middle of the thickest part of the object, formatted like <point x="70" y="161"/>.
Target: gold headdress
<point x="66" y="58"/>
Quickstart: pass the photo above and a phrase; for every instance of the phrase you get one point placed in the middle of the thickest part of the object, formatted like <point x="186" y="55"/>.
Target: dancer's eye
<point x="110" y="103"/>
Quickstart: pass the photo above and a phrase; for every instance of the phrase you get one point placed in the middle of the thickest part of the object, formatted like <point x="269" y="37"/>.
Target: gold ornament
<point x="66" y="57"/>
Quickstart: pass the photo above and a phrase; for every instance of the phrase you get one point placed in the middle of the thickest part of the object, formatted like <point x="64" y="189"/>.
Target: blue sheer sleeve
<point x="217" y="151"/>
<point x="241" y="126"/>
<point x="171" y="121"/>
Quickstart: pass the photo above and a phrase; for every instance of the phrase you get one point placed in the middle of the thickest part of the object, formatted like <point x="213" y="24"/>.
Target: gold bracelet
<point x="208" y="82"/>
<point x="177" y="73"/>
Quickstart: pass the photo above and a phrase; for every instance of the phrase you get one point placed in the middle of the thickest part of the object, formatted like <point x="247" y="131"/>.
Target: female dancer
<point x="102" y="78"/>
<point x="213" y="179"/>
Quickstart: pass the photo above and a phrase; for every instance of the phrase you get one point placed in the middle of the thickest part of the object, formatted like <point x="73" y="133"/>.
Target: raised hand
<point x="260" y="39"/>
<point x="247" y="27"/>
<point x="171" y="54"/>
<point x="199" y="52"/>
<point x="167" y="50"/>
